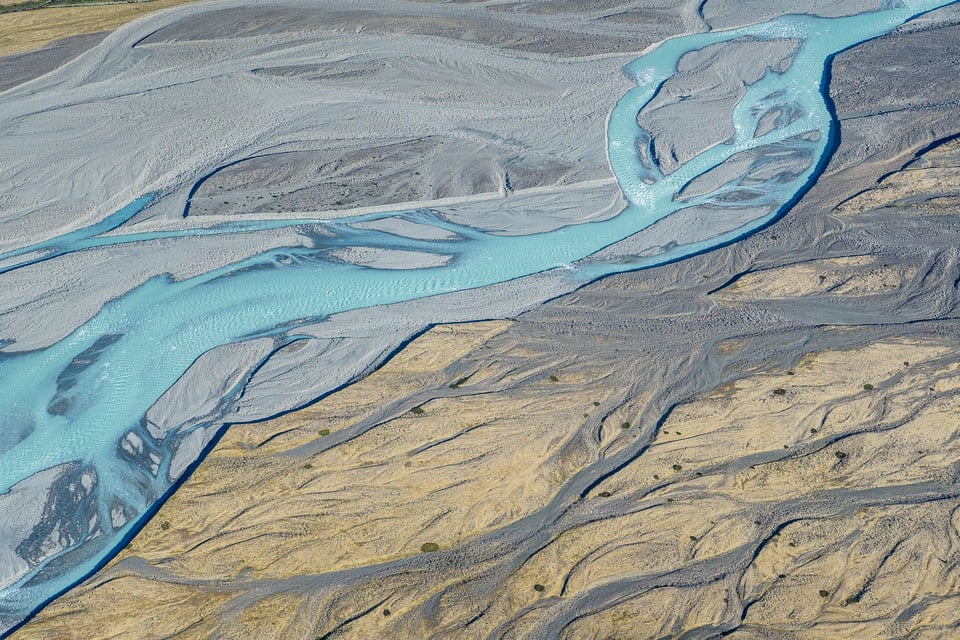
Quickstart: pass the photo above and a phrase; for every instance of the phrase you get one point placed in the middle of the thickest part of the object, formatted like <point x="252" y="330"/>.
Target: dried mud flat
<point x="758" y="442"/>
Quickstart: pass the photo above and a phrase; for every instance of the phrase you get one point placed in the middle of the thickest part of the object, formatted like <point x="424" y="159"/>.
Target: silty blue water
<point x="56" y="411"/>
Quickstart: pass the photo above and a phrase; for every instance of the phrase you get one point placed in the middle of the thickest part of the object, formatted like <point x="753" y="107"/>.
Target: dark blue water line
<point x="155" y="507"/>
<point x="832" y="143"/>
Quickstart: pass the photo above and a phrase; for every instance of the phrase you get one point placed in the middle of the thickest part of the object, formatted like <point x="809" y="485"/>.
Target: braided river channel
<point x="77" y="401"/>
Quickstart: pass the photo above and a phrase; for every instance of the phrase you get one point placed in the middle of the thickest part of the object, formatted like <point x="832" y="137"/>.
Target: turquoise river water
<point x="56" y="411"/>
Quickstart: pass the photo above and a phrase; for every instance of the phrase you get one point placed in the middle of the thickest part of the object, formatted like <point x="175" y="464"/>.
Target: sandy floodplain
<point x="757" y="442"/>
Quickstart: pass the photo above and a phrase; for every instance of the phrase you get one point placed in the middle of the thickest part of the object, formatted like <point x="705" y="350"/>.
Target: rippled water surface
<point x="78" y="400"/>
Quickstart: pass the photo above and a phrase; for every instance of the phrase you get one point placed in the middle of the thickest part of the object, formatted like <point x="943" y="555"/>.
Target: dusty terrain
<point x="758" y="442"/>
<point x="23" y="31"/>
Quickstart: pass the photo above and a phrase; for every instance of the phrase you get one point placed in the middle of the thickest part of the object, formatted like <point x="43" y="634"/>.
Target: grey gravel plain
<point x="508" y="106"/>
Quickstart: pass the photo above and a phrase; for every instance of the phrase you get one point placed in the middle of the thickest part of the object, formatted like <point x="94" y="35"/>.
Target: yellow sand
<point x="28" y="30"/>
<point x="259" y="508"/>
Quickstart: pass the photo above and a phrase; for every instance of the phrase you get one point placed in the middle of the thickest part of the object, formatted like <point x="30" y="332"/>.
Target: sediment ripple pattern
<point x="112" y="392"/>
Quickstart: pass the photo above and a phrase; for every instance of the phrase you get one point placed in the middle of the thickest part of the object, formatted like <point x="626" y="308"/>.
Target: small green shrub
<point x="840" y="455"/>
<point x="604" y="494"/>
<point x="164" y="525"/>
<point x="554" y="379"/>
<point x="539" y="588"/>
<point x="429" y="547"/>
<point x="324" y="432"/>
<point x="677" y="467"/>
<point x="779" y="392"/>
<point x="625" y="425"/>
<point x="824" y="593"/>
<point x="386" y="613"/>
<point x="868" y="387"/>
<point x="417" y="411"/>
<point x="308" y="466"/>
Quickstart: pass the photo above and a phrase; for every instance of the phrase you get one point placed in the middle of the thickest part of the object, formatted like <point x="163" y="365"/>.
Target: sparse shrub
<point x="164" y="525"/>
<point x="459" y="383"/>
<point x="324" y="432"/>
<point x="694" y="538"/>
<point x="625" y="425"/>
<point x="308" y="466"/>
<point x="417" y="411"/>
<point x="429" y="547"/>
<point x="779" y="392"/>
<point x="840" y="455"/>
<point x="554" y="379"/>
<point x="596" y="404"/>
<point x="868" y="387"/>
<point x="604" y="494"/>
<point x="677" y="467"/>
<point x="824" y="593"/>
<point x="539" y="588"/>
<point x="386" y="613"/>
<point x="854" y="599"/>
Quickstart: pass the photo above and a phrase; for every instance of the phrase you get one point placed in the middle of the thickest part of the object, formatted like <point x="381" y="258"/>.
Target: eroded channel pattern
<point x="112" y="393"/>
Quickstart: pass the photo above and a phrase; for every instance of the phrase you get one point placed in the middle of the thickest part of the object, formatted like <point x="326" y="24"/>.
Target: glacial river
<point x="76" y="400"/>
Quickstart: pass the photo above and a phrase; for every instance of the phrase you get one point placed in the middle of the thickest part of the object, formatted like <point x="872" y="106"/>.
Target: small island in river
<point x="502" y="319"/>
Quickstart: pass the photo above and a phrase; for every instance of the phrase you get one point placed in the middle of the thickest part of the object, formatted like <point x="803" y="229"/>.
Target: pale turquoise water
<point x="160" y="328"/>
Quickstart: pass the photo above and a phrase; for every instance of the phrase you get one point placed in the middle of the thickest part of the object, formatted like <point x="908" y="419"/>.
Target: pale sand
<point x="256" y="544"/>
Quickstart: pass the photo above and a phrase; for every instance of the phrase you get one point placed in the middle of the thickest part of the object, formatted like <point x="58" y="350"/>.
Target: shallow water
<point x="75" y="401"/>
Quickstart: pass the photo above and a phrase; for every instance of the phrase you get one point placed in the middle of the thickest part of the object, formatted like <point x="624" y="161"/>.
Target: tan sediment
<point x="826" y="433"/>
<point x="827" y="510"/>
<point x="943" y="184"/>
<point x="27" y="30"/>
<point x="465" y="465"/>
<point x="691" y="517"/>
<point x="849" y="277"/>
<point x="476" y="461"/>
<point x="174" y="609"/>
<point x="931" y="184"/>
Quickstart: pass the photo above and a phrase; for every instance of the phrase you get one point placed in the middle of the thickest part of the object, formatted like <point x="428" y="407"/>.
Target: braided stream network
<point x="75" y="401"/>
